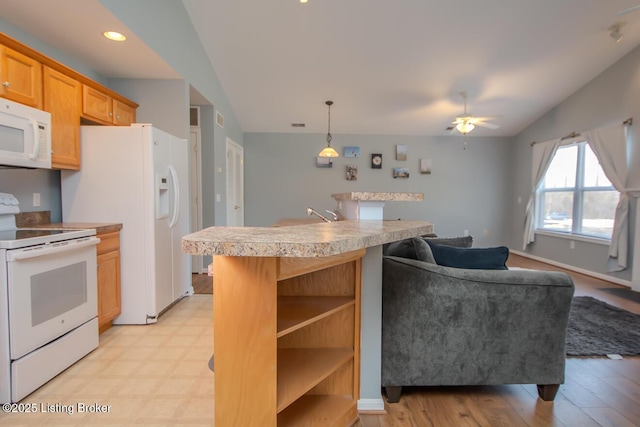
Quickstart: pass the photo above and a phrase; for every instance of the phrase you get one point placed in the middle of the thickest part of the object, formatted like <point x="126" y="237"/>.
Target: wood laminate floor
<point x="597" y="391"/>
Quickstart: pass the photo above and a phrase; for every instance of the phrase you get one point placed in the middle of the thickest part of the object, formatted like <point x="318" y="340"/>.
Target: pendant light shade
<point x="328" y="151"/>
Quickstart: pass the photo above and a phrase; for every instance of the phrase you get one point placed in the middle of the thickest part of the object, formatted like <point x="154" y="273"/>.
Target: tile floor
<point x="153" y="375"/>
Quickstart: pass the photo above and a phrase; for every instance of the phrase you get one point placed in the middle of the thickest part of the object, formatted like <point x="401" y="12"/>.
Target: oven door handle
<point x="53" y="248"/>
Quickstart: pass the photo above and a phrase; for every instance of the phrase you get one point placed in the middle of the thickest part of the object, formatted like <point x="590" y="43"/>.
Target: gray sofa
<point x="445" y="326"/>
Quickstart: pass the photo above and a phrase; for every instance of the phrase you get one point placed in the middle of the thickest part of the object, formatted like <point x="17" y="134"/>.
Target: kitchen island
<point x="287" y="317"/>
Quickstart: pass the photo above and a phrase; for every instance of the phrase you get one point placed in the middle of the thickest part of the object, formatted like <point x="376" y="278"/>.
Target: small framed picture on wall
<point x="352" y="151"/>
<point x="401" y="172"/>
<point x="401" y="152"/>
<point x="376" y="161"/>
<point x="352" y="173"/>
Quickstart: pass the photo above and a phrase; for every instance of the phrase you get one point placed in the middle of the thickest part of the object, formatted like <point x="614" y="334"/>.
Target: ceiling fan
<point x="466" y="122"/>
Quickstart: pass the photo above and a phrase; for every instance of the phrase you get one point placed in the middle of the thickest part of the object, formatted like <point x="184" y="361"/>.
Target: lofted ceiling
<point x="391" y="68"/>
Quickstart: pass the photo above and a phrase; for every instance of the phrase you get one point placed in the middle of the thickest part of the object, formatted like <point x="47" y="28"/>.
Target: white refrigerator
<point x="138" y="176"/>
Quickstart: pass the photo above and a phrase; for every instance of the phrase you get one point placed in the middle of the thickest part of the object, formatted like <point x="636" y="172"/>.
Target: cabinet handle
<point x="110" y="114"/>
<point x="6" y="84"/>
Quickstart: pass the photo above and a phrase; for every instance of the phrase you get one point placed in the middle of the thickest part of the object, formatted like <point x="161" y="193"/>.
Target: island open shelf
<point x="303" y="348"/>
<point x="287" y="318"/>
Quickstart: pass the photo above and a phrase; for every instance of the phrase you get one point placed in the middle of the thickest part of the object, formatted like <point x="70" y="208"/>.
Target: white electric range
<point x="48" y="302"/>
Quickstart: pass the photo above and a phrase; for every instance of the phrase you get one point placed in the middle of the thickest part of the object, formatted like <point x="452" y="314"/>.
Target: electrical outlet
<point x="519" y="199"/>
<point x="572" y="244"/>
<point x="465" y="233"/>
<point x="485" y="232"/>
<point x="36" y="199"/>
<point x="218" y="198"/>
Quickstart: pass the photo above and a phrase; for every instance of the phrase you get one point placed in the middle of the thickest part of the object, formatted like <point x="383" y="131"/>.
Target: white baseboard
<point x="371" y="405"/>
<point x="601" y="276"/>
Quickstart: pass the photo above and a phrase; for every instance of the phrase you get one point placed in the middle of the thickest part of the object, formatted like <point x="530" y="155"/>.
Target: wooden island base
<point x="287" y="340"/>
<point x="286" y="310"/>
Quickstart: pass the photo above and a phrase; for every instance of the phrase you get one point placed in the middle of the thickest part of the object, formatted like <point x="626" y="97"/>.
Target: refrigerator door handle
<point x="176" y="196"/>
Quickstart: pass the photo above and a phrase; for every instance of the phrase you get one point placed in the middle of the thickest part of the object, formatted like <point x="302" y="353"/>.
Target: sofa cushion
<point x="413" y="248"/>
<point x="473" y="258"/>
<point x="460" y="242"/>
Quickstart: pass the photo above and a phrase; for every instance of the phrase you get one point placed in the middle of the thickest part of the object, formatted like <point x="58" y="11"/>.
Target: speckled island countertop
<point x="379" y="197"/>
<point x="308" y="240"/>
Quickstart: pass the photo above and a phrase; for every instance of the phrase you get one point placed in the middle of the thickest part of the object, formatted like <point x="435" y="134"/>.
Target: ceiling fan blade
<point x="450" y="130"/>
<point x="485" y="118"/>
<point x="631" y="9"/>
<point x="486" y="125"/>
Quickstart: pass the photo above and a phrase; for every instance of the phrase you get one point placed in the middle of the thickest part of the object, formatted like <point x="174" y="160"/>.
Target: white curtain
<point x="610" y="147"/>
<point x="542" y="156"/>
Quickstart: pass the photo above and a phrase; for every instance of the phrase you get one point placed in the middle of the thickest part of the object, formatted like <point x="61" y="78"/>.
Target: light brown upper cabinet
<point x="20" y="77"/>
<point x="31" y="78"/>
<point x="102" y="108"/>
<point x="123" y="114"/>
<point x="63" y="99"/>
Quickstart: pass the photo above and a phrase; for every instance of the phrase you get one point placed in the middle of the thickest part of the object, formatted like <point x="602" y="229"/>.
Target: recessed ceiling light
<point x="115" y="36"/>
<point x="303" y="1"/>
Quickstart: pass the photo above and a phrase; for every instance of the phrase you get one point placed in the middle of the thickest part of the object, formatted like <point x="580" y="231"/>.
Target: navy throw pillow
<point x="474" y="258"/>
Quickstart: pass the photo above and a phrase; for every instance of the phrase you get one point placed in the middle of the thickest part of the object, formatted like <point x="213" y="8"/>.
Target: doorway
<point x="195" y="180"/>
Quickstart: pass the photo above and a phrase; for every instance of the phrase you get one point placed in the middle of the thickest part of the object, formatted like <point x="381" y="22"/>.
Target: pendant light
<point x="328" y="151"/>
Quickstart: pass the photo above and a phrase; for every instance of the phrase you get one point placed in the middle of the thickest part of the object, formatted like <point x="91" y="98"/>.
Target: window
<point x="575" y="196"/>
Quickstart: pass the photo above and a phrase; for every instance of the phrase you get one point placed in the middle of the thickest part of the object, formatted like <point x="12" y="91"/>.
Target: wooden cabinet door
<point x="108" y="287"/>
<point x="97" y="105"/>
<point x="123" y="115"/>
<point x="62" y="98"/>
<point x="20" y="77"/>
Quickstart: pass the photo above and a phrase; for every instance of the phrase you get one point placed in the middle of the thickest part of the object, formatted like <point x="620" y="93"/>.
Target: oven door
<point x="52" y="290"/>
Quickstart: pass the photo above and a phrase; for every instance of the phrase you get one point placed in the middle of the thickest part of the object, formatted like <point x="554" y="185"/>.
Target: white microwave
<point x="25" y="136"/>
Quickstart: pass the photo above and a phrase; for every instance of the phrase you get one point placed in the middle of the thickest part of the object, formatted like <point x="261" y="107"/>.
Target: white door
<point x="196" y="191"/>
<point x="235" y="184"/>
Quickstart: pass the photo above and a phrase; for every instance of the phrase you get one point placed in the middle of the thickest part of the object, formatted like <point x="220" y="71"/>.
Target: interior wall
<point x="22" y="183"/>
<point x="165" y="26"/>
<point x="609" y="98"/>
<point x="152" y="96"/>
<point x="466" y="189"/>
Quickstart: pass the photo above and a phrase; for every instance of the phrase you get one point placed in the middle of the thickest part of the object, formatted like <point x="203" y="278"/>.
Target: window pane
<point x="562" y="171"/>
<point x="598" y="212"/>
<point x="593" y="174"/>
<point x="558" y="210"/>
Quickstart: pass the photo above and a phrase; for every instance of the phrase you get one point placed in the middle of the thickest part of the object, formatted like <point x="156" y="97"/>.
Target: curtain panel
<point x="610" y="147"/>
<point x="542" y="155"/>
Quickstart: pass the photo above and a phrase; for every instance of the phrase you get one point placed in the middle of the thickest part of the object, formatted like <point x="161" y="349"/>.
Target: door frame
<point x="195" y="163"/>
<point x="232" y="146"/>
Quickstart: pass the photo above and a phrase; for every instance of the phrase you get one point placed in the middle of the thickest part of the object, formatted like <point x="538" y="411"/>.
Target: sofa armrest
<point x="449" y="326"/>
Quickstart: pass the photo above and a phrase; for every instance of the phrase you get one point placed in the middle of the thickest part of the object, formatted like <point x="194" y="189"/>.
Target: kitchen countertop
<point x="100" y="227"/>
<point x="379" y="197"/>
<point x="307" y="240"/>
<point x="42" y="219"/>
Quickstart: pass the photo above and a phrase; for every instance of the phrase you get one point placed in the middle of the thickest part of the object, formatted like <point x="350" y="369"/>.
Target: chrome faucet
<point x="311" y="211"/>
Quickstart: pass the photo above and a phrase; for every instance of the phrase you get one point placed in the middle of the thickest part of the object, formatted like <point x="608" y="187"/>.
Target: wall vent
<point x="219" y="119"/>
<point x="297" y="125"/>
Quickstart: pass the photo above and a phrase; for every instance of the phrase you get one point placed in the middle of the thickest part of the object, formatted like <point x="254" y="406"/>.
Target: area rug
<point x="599" y="329"/>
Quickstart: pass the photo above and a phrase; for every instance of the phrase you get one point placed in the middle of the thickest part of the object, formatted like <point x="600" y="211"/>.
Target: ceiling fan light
<point x="465" y="127"/>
